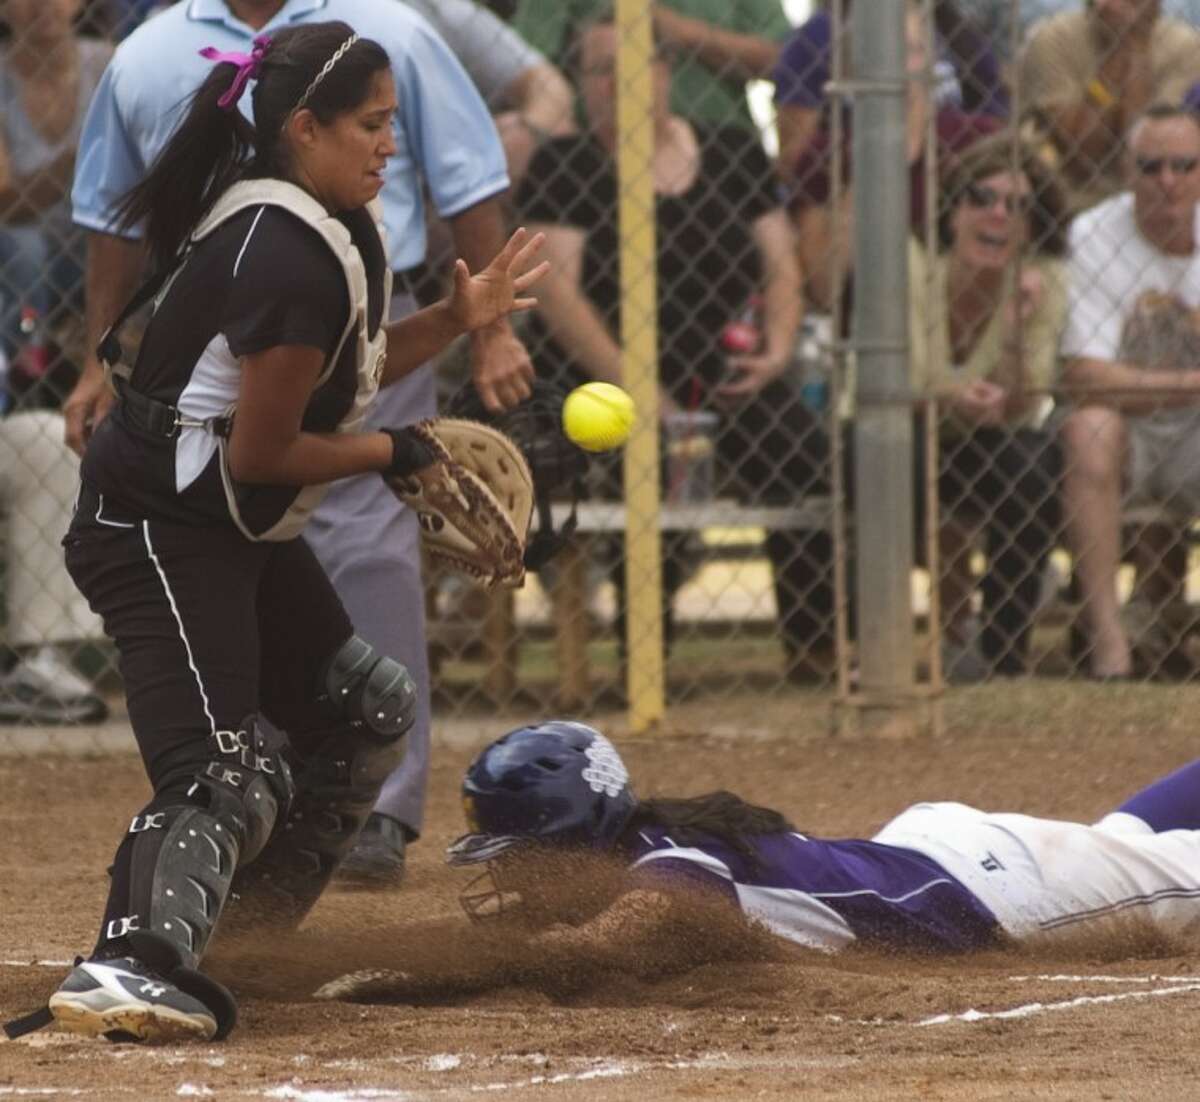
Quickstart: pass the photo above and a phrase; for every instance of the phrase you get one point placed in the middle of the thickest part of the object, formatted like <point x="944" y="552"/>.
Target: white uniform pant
<point x="39" y="480"/>
<point x="1041" y="877"/>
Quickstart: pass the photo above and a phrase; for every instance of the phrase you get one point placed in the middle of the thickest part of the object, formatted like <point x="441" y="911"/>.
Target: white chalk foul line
<point x="35" y="963"/>
<point x="1029" y="1009"/>
<point x="1063" y="978"/>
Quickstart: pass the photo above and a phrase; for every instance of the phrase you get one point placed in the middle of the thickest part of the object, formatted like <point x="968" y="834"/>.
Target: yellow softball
<point x="598" y="416"/>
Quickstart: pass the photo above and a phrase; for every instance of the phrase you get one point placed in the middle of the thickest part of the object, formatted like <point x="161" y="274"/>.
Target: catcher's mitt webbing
<point x="535" y="425"/>
<point x="474" y="502"/>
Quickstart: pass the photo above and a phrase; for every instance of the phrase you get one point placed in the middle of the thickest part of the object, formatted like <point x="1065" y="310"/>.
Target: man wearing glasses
<point x="1131" y="364"/>
<point x="1088" y="74"/>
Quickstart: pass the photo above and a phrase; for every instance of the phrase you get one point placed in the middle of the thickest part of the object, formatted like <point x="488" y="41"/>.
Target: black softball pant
<point x="210" y="629"/>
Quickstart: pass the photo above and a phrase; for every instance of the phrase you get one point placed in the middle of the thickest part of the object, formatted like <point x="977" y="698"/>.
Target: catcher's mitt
<point x="557" y="465"/>
<point x="474" y="502"/>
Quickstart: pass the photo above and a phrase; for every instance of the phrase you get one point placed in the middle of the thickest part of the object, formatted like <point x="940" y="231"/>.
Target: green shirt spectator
<point x="719" y="45"/>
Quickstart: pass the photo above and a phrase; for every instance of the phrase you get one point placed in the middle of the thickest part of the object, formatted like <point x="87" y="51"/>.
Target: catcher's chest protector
<point x="370" y="352"/>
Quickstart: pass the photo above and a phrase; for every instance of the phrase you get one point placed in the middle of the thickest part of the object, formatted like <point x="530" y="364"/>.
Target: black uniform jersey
<point x="262" y="279"/>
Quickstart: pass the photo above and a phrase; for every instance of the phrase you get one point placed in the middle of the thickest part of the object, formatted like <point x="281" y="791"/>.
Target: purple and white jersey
<point x="826" y="894"/>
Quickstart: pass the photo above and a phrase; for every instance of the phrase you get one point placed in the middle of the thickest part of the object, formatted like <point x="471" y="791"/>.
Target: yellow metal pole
<point x="639" y="342"/>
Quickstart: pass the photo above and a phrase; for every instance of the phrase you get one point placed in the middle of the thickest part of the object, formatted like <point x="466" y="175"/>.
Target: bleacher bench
<point x="568" y="588"/>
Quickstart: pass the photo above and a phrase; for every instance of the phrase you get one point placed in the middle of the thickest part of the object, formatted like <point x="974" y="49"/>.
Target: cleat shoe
<point x="377" y="859"/>
<point x="43" y="688"/>
<point x="123" y="1000"/>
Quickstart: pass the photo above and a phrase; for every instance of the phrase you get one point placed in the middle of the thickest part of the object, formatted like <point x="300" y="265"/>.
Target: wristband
<point x="1099" y="94"/>
<point x="409" y="454"/>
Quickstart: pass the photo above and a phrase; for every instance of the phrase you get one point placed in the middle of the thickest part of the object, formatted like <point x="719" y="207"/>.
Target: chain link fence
<point x="1053" y="493"/>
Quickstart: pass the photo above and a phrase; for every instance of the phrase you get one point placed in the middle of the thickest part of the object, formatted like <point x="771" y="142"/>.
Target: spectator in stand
<point x="718" y="46"/>
<point x="994" y="17"/>
<point x="46" y="617"/>
<point x="1087" y="74"/>
<point x="530" y="99"/>
<point x="117" y="19"/>
<point x="986" y="314"/>
<point x="1131" y="353"/>
<point x="47" y="75"/>
<point x="721" y="238"/>
<point x="812" y="209"/>
<point x="806" y="66"/>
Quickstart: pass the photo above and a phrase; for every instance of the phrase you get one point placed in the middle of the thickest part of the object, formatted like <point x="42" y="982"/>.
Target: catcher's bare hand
<point x="477" y="301"/>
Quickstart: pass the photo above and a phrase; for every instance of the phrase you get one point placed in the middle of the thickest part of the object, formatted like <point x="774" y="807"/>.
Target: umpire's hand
<point x="86" y="406"/>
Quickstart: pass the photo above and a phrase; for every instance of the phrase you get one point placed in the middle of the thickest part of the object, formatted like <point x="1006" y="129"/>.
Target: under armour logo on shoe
<point x="154" y="990"/>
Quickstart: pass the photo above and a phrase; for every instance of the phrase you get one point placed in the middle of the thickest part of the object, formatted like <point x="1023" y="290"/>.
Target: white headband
<point x="338" y="54"/>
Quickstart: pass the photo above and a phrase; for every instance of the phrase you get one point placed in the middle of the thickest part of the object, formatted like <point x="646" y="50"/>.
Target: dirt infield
<point x="1114" y="1020"/>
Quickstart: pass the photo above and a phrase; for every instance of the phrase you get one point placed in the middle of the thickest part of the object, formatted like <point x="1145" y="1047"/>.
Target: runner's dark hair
<point x="721" y="815"/>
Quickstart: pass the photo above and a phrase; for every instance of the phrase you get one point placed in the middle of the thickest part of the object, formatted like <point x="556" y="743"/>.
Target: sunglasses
<point x="984" y="198"/>
<point x="1179" y="166"/>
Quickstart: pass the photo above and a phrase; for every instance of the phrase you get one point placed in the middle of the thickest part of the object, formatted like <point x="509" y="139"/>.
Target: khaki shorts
<point x="1164" y="462"/>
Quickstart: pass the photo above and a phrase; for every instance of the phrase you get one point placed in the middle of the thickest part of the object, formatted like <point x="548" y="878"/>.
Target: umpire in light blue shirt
<point x="447" y="139"/>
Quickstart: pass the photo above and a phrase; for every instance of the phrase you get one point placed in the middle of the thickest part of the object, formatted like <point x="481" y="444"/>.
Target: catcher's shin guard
<point x="184" y="855"/>
<point x="373" y="702"/>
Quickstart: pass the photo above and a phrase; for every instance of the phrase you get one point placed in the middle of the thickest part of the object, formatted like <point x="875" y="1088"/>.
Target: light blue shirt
<point x="445" y="134"/>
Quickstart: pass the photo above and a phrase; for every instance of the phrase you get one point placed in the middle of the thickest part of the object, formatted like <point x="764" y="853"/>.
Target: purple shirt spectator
<point x="805" y="65"/>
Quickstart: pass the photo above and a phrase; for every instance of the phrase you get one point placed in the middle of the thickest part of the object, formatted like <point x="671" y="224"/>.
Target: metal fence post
<point x="883" y="423"/>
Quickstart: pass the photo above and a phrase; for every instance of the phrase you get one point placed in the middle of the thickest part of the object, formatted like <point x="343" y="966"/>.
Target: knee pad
<point x="369" y="690"/>
<point x="184" y="854"/>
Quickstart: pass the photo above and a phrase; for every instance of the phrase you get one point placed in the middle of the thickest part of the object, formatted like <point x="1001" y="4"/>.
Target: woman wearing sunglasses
<point x="987" y="309"/>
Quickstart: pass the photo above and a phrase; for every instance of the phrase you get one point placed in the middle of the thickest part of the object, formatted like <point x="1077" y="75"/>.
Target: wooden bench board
<point x="808" y="514"/>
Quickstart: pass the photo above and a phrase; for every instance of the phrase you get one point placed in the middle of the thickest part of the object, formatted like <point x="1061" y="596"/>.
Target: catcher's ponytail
<point x="324" y="68"/>
<point x="202" y="159"/>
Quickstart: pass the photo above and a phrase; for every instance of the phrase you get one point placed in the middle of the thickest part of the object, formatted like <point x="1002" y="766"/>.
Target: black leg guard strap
<point x="28" y="1023"/>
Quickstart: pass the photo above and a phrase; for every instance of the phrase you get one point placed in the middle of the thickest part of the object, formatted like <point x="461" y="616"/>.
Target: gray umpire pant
<point x="369" y="545"/>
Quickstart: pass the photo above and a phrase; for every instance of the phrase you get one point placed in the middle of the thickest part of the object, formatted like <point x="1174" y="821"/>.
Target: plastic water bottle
<point x="743" y="335"/>
<point x="811" y="366"/>
<point x="33" y="359"/>
<point x="5" y="394"/>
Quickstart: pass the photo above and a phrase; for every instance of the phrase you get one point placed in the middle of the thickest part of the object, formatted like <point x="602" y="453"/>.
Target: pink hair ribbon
<point x="247" y="66"/>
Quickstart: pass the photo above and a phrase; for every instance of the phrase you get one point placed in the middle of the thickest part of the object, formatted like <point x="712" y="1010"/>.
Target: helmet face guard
<point x="535" y="426"/>
<point x="483" y="899"/>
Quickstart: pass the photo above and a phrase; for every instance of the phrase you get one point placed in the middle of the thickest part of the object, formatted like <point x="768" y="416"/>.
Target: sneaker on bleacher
<point x="43" y="688"/>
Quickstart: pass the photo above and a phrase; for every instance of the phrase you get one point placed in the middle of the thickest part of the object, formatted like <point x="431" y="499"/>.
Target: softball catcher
<point x="268" y="340"/>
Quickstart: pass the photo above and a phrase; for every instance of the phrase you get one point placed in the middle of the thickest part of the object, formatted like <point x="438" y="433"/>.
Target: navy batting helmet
<point x="558" y="782"/>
